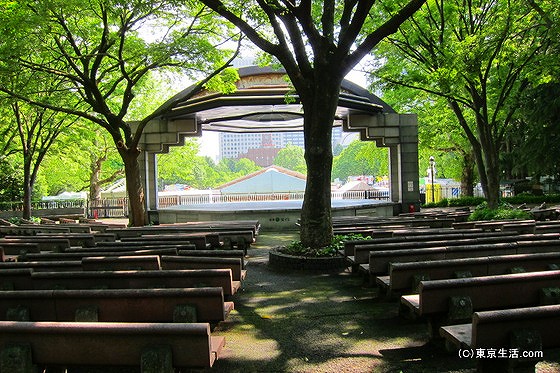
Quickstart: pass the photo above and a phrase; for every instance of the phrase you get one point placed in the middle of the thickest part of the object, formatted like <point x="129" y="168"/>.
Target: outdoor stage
<point x="273" y="215"/>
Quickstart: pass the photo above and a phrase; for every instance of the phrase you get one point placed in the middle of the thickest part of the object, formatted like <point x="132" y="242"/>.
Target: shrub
<point x="296" y="248"/>
<point x="504" y="211"/>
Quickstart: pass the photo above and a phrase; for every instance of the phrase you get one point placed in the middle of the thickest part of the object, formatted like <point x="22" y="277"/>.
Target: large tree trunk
<point x="27" y="193"/>
<point x="319" y="111"/>
<point x="467" y="176"/>
<point x="135" y="190"/>
<point x="94" y="185"/>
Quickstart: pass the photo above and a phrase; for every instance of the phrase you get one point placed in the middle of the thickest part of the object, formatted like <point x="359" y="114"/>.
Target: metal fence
<point x="108" y="208"/>
<point x="118" y="207"/>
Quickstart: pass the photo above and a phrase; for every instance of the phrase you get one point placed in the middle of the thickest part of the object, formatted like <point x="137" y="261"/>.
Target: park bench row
<point x="63" y="262"/>
<point x="466" y="272"/>
<point x="148" y="317"/>
<point x="377" y="255"/>
<point x="27" y="279"/>
<point x="468" y="313"/>
<point x="154" y="347"/>
<point x="405" y="276"/>
<point x="57" y="237"/>
<point x="124" y="297"/>
<point x="507" y="340"/>
<point x="379" y="260"/>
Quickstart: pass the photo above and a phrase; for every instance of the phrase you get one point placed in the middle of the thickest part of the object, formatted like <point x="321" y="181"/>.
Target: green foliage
<point x="183" y="165"/>
<point x="504" y="211"/>
<point x="11" y="177"/>
<point x="361" y="158"/>
<point x="291" y="157"/>
<point x="456" y="202"/>
<point x="18" y="221"/>
<point x="532" y="199"/>
<point x="296" y="248"/>
<point x="477" y="201"/>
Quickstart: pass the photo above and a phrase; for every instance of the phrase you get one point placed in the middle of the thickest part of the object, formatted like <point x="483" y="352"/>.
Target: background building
<point x="263" y="147"/>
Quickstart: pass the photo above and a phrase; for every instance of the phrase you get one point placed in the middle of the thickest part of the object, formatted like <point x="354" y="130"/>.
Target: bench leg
<point x="17" y="359"/>
<point x="157" y="360"/>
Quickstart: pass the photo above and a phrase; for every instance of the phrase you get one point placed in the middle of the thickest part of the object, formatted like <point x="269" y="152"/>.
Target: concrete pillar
<point x="409" y="170"/>
<point x="148" y="171"/>
<point x="394" y="172"/>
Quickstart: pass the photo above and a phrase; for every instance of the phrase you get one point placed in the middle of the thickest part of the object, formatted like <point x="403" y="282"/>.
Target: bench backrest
<point x="361" y="250"/>
<point x="81" y="254"/>
<point x="402" y="274"/>
<point x="48" y="266"/>
<point x="121" y="263"/>
<point x="492" y="329"/>
<point x="488" y="292"/>
<point x="112" y="342"/>
<point x="135" y="279"/>
<point x="184" y="262"/>
<point x="117" y="305"/>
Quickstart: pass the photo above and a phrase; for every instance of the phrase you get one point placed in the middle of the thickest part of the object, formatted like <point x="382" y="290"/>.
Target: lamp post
<point x="432" y="164"/>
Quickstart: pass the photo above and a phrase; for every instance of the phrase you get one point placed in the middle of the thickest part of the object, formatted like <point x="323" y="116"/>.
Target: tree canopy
<point x="480" y="57"/>
<point x="318" y="44"/>
<point x="103" y="52"/>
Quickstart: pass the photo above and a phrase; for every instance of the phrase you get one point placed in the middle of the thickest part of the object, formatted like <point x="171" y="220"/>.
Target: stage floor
<point x="272" y="215"/>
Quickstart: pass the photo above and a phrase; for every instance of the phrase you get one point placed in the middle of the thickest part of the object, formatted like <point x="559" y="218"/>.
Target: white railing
<point x="196" y="199"/>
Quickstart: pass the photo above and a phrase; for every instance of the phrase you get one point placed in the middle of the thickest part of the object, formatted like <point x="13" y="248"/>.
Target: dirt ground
<point x="312" y="322"/>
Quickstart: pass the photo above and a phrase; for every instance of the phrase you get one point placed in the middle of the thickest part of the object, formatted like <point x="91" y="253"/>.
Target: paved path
<point x="312" y="322"/>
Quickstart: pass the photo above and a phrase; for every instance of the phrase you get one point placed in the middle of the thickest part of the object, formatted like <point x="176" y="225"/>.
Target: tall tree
<point x="36" y="128"/>
<point x="480" y="56"/>
<point x="105" y="50"/>
<point x="439" y="134"/>
<point x="292" y="158"/>
<point x="361" y="158"/>
<point x="318" y="43"/>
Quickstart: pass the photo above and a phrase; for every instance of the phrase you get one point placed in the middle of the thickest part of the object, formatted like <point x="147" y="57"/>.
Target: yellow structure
<point x="436" y="196"/>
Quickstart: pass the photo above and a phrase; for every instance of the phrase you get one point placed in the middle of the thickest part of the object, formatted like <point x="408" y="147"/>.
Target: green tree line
<point x="80" y="80"/>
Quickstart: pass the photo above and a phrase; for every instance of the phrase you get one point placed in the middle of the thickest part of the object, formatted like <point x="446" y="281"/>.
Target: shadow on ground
<point x="311" y="322"/>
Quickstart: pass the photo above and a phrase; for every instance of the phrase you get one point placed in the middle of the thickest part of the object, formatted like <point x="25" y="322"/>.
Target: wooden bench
<point x="44" y="243"/>
<point x="417" y="241"/>
<point x="452" y="299"/>
<point x="121" y="263"/>
<point x="75" y="239"/>
<point x="81" y="254"/>
<point x="116" y="305"/>
<point x="16" y="279"/>
<point x="19" y="247"/>
<point x="185" y="262"/>
<point x="405" y="277"/>
<point x="61" y="228"/>
<point x="147" y="345"/>
<point x="44" y="266"/>
<point x="515" y="331"/>
<point x="216" y="253"/>
<point x="136" y="279"/>
<point x="130" y="246"/>
<point x="199" y="240"/>
<point x="361" y="251"/>
<point x="380" y="260"/>
<point x="30" y="230"/>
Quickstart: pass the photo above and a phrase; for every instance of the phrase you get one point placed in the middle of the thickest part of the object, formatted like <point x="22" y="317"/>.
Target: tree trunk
<point x="135" y="190"/>
<point x="319" y="110"/>
<point x="467" y="176"/>
<point x="94" y="185"/>
<point x="27" y="193"/>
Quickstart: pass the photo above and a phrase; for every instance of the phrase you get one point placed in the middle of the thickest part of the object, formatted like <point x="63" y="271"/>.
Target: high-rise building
<point x="233" y="145"/>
